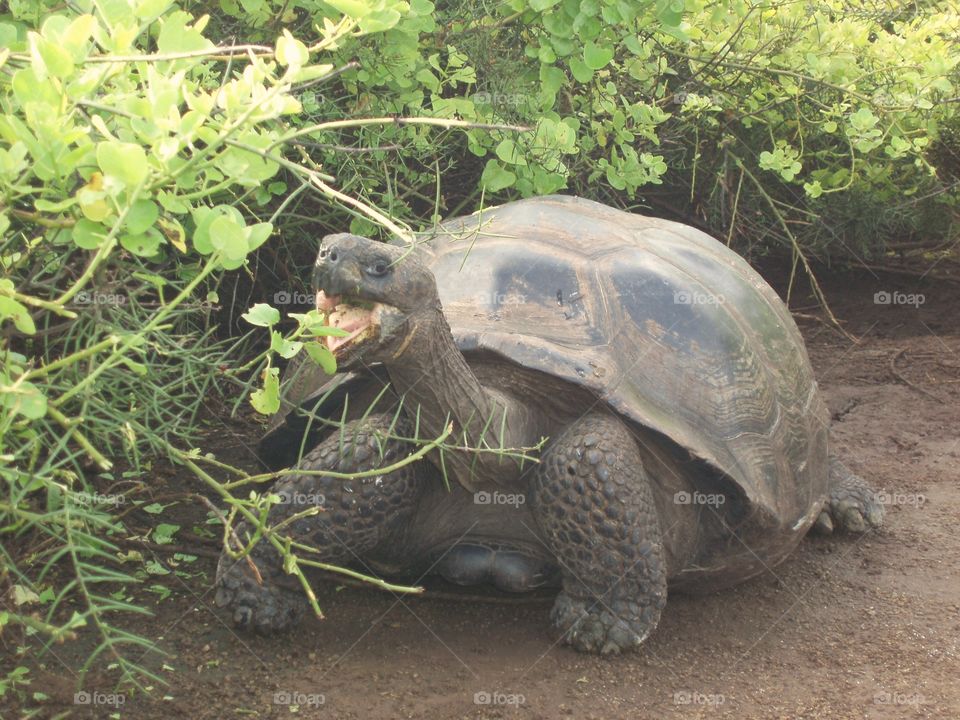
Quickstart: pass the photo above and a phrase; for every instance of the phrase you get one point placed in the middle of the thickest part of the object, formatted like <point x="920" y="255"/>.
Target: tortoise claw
<point x="603" y="628"/>
<point x="853" y="507"/>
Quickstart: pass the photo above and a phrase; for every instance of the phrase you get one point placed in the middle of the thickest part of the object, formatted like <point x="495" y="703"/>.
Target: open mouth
<point x="358" y="318"/>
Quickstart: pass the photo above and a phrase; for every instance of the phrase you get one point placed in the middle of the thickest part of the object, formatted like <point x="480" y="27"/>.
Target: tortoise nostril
<point x="333" y="256"/>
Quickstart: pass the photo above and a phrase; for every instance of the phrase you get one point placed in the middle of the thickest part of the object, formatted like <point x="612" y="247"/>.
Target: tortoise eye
<point x="379" y="268"/>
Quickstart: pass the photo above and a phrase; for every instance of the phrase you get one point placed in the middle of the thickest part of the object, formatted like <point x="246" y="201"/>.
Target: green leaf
<point x="75" y="37"/>
<point x="670" y="12"/>
<point x="508" y="152"/>
<point x="163" y="533"/>
<point x="162" y="590"/>
<point x="350" y="8"/>
<point x="141" y="216"/>
<point x="176" y="37"/>
<point x="142" y="244"/>
<point x="148" y="9"/>
<point x="863" y="119"/>
<point x="291" y="51"/>
<point x="172" y="204"/>
<point x="229" y="237"/>
<point x="56" y="60"/>
<point x="317" y="331"/>
<point x="125" y="161"/>
<point x="596" y="56"/>
<point x="10" y="308"/>
<point x="33" y="403"/>
<point x="322" y="356"/>
<point x="153" y="567"/>
<point x="283" y="347"/>
<point x="89" y="235"/>
<point x="267" y="400"/>
<point x="262" y="315"/>
<point x="27" y="400"/>
<point x="9" y="36"/>
<point x="495" y="177"/>
<point x="27" y="88"/>
<point x="546" y="183"/>
<point x="581" y="73"/>
<point x="551" y="79"/>
<point x="54" y="207"/>
<point x="23" y="595"/>
<point x="379" y="20"/>
<point x="257" y="235"/>
<point x="202" y="218"/>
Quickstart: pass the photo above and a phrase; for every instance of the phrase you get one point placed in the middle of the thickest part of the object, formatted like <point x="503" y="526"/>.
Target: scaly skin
<point x="853" y="506"/>
<point x="596" y="510"/>
<point x="358" y="516"/>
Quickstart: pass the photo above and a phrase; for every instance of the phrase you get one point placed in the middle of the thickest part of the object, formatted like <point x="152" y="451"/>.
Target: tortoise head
<point x="377" y="293"/>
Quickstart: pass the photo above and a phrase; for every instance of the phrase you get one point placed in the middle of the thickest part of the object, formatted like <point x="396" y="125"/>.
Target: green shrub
<point x="138" y="161"/>
<point x="830" y="126"/>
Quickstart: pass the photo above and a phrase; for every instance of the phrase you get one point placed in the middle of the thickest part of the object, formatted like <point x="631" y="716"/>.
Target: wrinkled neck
<point x="434" y="378"/>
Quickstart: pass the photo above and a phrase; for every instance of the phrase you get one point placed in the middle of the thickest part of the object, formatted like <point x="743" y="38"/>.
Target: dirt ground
<point x="862" y="627"/>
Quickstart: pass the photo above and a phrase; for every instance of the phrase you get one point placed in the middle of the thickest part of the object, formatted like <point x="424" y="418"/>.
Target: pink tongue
<point x="353" y="320"/>
<point x="324" y="303"/>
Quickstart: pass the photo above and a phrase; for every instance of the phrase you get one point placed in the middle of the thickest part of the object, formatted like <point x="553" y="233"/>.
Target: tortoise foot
<point x="853" y="507"/>
<point x="605" y="628"/>
<point x="266" y="608"/>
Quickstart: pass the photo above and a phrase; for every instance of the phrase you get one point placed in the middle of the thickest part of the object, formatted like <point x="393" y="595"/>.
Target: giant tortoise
<point x="632" y="408"/>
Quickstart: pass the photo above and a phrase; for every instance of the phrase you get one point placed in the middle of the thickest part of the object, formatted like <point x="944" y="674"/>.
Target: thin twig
<point x="233" y="535"/>
<point x="399" y="122"/>
<point x="168" y="548"/>
<point x="817" y="291"/>
<point x="896" y="374"/>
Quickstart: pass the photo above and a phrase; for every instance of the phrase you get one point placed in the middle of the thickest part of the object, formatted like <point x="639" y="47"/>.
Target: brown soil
<point x="862" y="627"/>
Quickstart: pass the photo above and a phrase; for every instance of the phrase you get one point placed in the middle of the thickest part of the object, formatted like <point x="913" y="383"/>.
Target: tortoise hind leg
<point x="596" y="511"/>
<point x="853" y="506"/>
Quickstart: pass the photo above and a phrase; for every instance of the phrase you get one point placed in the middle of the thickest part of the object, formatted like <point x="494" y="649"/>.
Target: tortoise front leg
<point x="357" y="517"/>
<point x="595" y="508"/>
